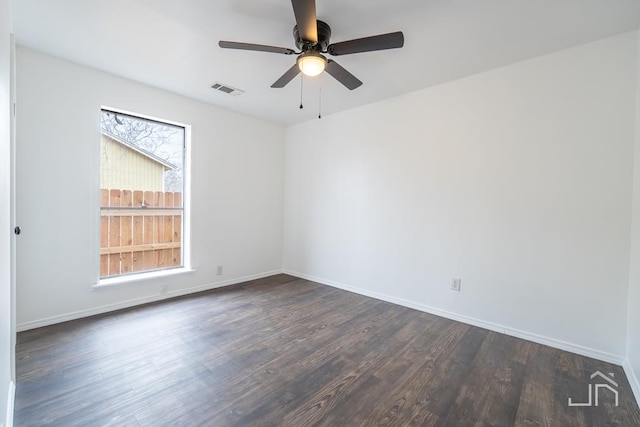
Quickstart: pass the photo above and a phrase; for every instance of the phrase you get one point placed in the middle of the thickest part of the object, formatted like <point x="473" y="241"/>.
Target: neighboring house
<point x="144" y="170"/>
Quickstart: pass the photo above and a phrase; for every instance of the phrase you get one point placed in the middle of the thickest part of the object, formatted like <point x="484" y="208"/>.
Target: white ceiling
<point x="172" y="44"/>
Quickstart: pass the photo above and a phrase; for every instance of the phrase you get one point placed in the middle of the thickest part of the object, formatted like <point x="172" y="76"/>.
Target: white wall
<point x="633" y="332"/>
<point x="236" y="197"/>
<point x="6" y="332"/>
<point x="517" y="180"/>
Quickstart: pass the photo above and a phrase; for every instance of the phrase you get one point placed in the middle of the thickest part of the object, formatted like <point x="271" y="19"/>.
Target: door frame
<point x="12" y="190"/>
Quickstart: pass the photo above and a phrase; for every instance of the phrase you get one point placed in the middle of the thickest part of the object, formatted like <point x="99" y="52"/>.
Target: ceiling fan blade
<point x="368" y="44"/>
<point x="305" y="12"/>
<point x="343" y="76"/>
<point x="256" y="47"/>
<point x="287" y="77"/>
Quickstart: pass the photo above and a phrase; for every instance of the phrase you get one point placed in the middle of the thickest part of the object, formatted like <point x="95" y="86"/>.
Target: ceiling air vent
<point x="227" y="89"/>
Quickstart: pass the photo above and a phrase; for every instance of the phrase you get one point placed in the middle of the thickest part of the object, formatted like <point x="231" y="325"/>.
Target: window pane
<point x="141" y="189"/>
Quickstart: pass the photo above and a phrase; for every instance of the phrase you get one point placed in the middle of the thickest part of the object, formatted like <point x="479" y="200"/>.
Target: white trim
<point x="186" y="194"/>
<point x="142" y="116"/>
<point x="529" y="336"/>
<point x="139" y="277"/>
<point x="634" y="382"/>
<point x="10" y="404"/>
<point x="138" y="301"/>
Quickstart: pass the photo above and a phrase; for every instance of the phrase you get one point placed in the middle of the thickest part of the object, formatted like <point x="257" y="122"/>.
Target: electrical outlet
<point x="455" y="284"/>
<point x="219" y="270"/>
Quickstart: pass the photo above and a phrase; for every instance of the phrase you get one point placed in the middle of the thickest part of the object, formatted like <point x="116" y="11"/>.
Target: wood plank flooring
<point x="288" y="352"/>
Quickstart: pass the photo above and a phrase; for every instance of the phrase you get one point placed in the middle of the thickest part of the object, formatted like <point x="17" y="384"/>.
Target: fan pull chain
<point x="320" y="100"/>
<point x="301" y="88"/>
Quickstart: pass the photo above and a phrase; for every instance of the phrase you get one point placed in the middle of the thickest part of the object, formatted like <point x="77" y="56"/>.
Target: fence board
<point x="137" y="264"/>
<point x="104" y="232"/>
<point x="149" y="260"/>
<point x="147" y="232"/>
<point x="126" y="231"/>
<point x="126" y="239"/>
<point x="126" y="262"/>
<point x="148" y="198"/>
<point x="138" y="229"/>
<point x="176" y="256"/>
<point x="114" y="197"/>
<point x="114" y="231"/>
<point x="137" y="198"/>
<point x="158" y="199"/>
<point x="177" y="228"/>
<point x="157" y="229"/>
<point x="114" y="264"/>
<point x="104" y="265"/>
<point x="168" y="258"/>
<point x="104" y="197"/>
<point x="167" y="225"/>
<point x="127" y="198"/>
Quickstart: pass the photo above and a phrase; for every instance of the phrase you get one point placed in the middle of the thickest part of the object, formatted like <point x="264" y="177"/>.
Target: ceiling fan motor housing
<point x="324" y="34"/>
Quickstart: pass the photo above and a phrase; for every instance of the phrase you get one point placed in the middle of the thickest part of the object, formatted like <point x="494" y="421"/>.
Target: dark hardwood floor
<point x="287" y="352"/>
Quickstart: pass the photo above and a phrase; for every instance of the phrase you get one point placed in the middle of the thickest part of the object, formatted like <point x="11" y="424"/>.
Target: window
<point x="141" y="195"/>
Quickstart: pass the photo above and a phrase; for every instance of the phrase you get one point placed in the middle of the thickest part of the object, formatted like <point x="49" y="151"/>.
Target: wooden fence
<point x="139" y="231"/>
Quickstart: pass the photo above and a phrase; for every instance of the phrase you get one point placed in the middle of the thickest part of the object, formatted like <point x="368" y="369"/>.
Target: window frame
<point x="138" y="276"/>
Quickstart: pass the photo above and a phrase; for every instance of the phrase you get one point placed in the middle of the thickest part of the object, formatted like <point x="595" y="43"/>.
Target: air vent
<point x="227" y="89"/>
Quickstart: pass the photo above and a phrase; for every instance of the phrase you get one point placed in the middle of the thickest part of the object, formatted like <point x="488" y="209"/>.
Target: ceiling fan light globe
<point x="312" y="64"/>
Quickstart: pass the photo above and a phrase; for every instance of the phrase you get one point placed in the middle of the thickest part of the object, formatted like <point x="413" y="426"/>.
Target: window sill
<point x="139" y="277"/>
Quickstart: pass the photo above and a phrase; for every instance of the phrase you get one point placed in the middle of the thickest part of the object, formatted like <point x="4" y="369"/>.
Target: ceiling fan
<point x="312" y="39"/>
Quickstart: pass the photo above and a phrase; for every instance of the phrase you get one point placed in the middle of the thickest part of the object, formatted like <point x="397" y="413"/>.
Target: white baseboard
<point x="138" y="301"/>
<point x="10" y="401"/>
<point x="634" y="382"/>
<point x="529" y="336"/>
